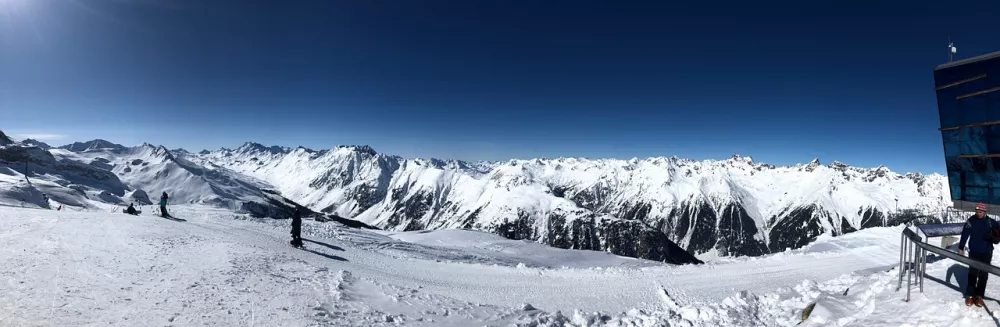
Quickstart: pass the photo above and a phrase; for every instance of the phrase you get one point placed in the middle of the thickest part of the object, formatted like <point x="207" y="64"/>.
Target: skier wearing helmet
<point x="978" y="232"/>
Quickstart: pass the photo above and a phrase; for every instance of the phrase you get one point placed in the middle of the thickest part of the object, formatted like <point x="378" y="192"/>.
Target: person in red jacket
<point x="978" y="233"/>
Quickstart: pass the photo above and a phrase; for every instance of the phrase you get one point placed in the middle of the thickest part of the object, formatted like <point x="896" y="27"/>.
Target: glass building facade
<point x="968" y="96"/>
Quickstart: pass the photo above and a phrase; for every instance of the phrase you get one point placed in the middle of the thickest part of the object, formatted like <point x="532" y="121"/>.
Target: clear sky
<point x="783" y="82"/>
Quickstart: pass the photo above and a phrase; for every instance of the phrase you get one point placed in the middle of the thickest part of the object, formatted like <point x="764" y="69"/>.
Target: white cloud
<point x="40" y="136"/>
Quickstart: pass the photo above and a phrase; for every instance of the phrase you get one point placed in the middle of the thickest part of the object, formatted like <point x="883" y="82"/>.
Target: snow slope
<point x="732" y="207"/>
<point x="221" y="268"/>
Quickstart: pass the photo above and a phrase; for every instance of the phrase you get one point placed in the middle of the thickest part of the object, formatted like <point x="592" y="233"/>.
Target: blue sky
<point x="783" y="82"/>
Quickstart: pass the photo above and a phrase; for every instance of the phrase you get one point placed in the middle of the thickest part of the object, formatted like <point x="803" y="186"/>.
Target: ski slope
<point x="220" y="268"/>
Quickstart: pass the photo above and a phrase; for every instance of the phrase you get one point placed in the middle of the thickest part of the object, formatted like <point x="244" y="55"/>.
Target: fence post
<point x="923" y="265"/>
<point x="902" y="249"/>
<point x="911" y="274"/>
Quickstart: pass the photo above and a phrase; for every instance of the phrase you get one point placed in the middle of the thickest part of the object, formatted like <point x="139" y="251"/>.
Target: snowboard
<point x="172" y="218"/>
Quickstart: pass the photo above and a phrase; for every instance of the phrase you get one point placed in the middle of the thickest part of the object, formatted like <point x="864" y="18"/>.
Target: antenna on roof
<point x="951" y="50"/>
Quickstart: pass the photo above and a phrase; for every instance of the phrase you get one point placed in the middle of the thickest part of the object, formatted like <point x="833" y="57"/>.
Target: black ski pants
<point x="977" y="278"/>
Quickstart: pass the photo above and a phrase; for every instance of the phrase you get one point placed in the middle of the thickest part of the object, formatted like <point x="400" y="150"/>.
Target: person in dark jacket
<point x="977" y="232"/>
<point x="297" y="228"/>
<point x="163" y="205"/>
<point x="131" y="209"/>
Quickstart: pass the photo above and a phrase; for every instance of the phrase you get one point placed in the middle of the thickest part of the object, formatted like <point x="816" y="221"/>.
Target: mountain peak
<point x="96" y="144"/>
<point x="814" y="162"/>
<point x="252" y="147"/>
<point x="738" y="157"/>
<point x="4" y="139"/>
<point x="36" y="143"/>
<point x="360" y="148"/>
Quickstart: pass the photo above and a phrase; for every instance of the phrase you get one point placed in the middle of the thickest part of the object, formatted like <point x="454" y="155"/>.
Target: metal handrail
<point x="919" y="260"/>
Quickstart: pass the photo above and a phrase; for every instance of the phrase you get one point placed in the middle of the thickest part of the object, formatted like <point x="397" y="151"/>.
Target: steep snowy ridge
<point x="36" y="143"/>
<point x="29" y="175"/>
<point x="154" y="169"/>
<point x="712" y="207"/>
<point x="93" y="145"/>
<point x="5" y="140"/>
<point x="99" y="173"/>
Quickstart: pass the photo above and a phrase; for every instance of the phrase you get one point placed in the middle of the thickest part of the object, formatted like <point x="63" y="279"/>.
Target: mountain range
<point x="732" y="207"/>
<point x="666" y="208"/>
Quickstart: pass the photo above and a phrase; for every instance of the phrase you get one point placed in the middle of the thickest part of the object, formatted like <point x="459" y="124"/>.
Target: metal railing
<point x="918" y="249"/>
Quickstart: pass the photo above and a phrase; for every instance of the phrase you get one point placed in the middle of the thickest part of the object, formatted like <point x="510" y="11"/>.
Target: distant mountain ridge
<point x="663" y="208"/>
<point x="86" y="174"/>
<point x="709" y="208"/>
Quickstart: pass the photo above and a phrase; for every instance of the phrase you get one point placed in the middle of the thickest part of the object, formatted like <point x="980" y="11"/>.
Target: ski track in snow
<point x="219" y="268"/>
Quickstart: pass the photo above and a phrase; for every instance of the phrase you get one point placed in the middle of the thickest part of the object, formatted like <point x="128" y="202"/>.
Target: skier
<point x="978" y="232"/>
<point x="163" y="205"/>
<point x="297" y="228"/>
<point x="131" y="209"/>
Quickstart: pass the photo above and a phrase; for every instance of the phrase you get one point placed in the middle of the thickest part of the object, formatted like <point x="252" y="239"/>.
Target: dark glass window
<point x="976" y="194"/>
<point x="977" y="179"/>
<point x="958" y="164"/>
<point x="973" y="110"/>
<point x="994" y="177"/>
<point x="948" y="111"/>
<point x="981" y="165"/>
<point x="951" y="149"/>
<point x="973" y="141"/>
<point x="993" y="105"/>
<point x="971" y="179"/>
<point x="950" y="136"/>
<point x="992" y="140"/>
<point x="994" y="196"/>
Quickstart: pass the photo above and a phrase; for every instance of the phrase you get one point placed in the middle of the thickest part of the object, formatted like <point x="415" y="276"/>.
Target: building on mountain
<point x="968" y="96"/>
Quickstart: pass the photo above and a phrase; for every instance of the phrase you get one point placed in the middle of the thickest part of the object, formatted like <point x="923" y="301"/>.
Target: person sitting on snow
<point x="131" y="209"/>
<point x="978" y="232"/>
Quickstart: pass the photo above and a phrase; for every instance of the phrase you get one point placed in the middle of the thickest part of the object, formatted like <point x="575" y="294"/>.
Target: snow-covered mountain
<point x="5" y="140"/>
<point x="94" y="145"/>
<point x="36" y="143"/>
<point x="152" y="170"/>
<point x="732" y="207"/>
<point x="89" y="174"/>
<point x="32" y="176"/>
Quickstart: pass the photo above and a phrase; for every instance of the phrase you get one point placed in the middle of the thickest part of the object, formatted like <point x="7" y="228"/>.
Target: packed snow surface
<point x="220" y="268"/>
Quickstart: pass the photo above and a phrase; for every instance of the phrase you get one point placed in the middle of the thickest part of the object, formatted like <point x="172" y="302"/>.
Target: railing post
<point x="902" y="249"/>
<point x="909" y="274"/>
<point x="923" y="267"/>
<point x="906" y="258"/>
